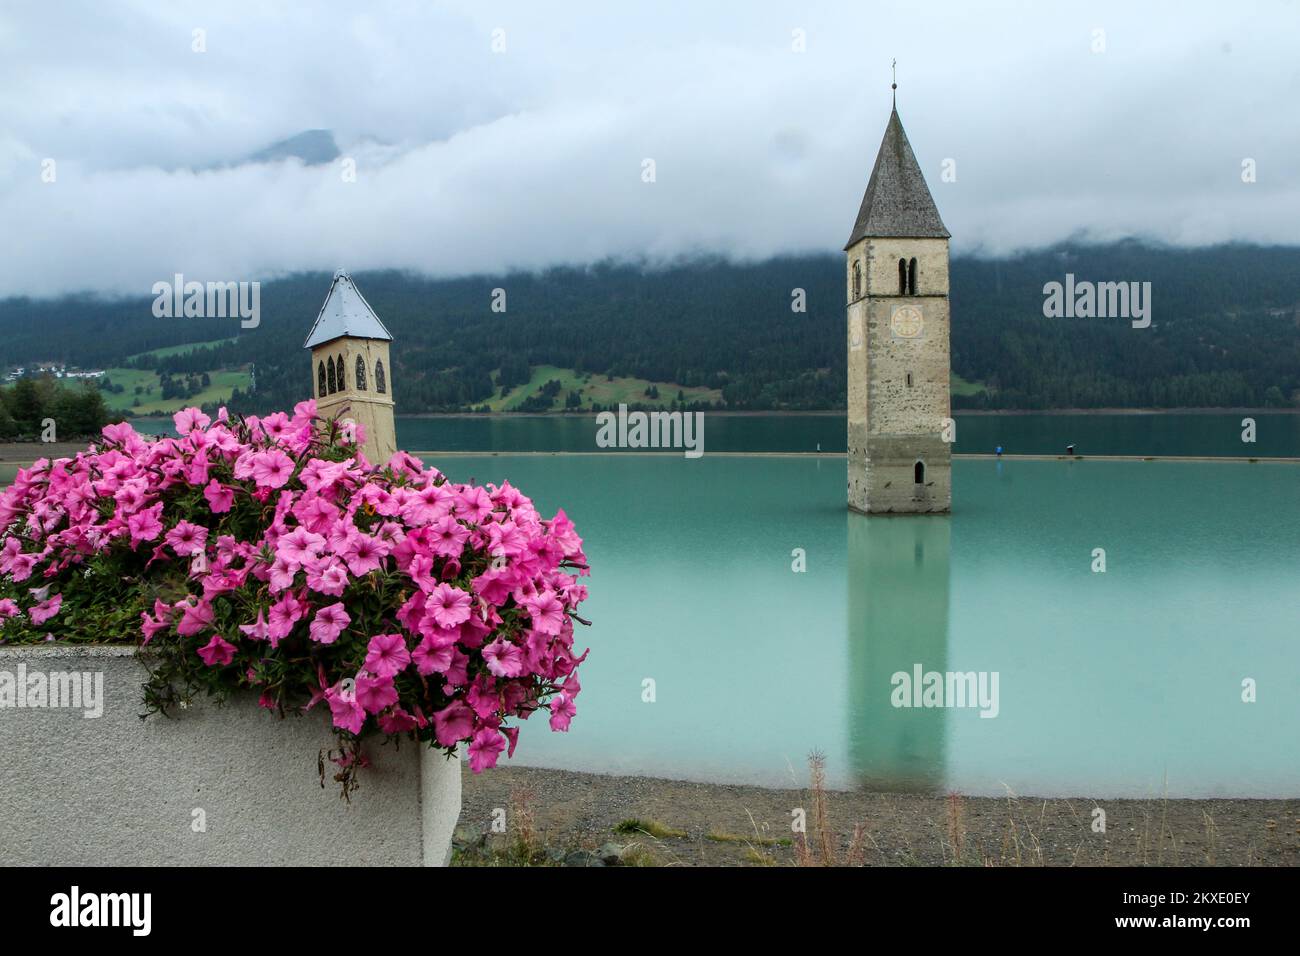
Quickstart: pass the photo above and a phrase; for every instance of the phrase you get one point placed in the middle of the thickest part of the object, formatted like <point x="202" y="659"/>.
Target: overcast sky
<point x="470" y="160"/>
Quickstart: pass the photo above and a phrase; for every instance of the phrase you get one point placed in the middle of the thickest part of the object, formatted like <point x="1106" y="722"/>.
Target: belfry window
<point x="320" y="380"/>
<point x="381" y="384"/>
<point x="918" y="472"/>
<point x="902" y="277"/>
<point x="361" y="374"/>
<point x="342" y="381"/>
<point x="857" y="279"/>
<point x="330" y="377"/>
<point x="911" y="277"/>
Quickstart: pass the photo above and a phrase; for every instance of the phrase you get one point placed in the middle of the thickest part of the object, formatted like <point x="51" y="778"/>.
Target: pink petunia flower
<point x="329" y="623"/>
<point x="376" y="693"/>
<point x="188" y="419"/>
<point x="448" y="605"/>
<point x="299" y="546"/>
<point x="448" y="536"/>
<point x="46" y="609"/>
<point x="284" y="614"/>
<point x="145" y="525"/>
<point x="503" y="658"/>
<point x="347" y="713"/>
<point x="220" y="497"/>
<point x="547" y="612"/>
<point x="562" y="711"/>
<point x="272" y="469"/>
<point x="453" y="723"/>
<point x="484" y="749"/>
<point x="187" y="538"/>
<point x="363" y="554"/>
<point x="258" y="630"/>
<point x="194" y="618"/>
<point x="387" y="655"/>
<point x="217" y="652"/>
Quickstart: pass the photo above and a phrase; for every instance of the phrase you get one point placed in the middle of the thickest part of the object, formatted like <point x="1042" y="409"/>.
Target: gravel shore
<point x="574" y="817"/>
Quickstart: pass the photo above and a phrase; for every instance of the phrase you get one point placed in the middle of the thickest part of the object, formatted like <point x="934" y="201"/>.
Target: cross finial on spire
<point x="893" y="66"/>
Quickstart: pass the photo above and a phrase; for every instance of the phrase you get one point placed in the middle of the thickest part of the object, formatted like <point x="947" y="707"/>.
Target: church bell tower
<point x="898" y="354"/>
<point x="351" y="372"/>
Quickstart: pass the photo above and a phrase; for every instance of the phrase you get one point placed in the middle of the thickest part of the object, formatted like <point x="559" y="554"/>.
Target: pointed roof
<point x="897" y="202"/>
<point x="345" y="312"/>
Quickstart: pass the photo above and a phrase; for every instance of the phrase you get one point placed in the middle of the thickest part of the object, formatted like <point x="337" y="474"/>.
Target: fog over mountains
<point x="480" y="139"/>
<point x="1225" y="331"/>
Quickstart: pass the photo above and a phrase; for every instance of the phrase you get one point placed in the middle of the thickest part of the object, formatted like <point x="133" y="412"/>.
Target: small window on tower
<point x="361" y="374"/>
<point x="902" y="277"/>
<point x="330" y="377"/>
<point x="918" y="472"/>
<point x="857" y="279"/>
<point x="909" y="379"/>
<point x="342" y="380"/>
<point x="911" y="277"/>
<point x="320" y="380"/>
<point x="381" y="384"/>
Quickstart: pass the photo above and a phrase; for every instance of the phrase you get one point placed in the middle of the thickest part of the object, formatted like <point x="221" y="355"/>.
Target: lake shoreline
<point x="576" y="813"/>
<point x="793" y="413"/>
<point x="20" y="454"/>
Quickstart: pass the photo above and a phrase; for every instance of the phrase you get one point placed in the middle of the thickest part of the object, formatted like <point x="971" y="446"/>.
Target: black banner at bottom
<point x="175" y="905"/>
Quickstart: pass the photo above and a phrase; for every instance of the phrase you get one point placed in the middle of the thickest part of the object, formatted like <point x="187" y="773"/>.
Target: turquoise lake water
<point x="1123" y="683"/>
<point x="1216" y="434"/>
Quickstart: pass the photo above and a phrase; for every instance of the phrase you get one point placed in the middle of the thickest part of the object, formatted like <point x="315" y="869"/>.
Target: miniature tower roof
<point x="345" y="313"/>
<point x="897" y="203"/>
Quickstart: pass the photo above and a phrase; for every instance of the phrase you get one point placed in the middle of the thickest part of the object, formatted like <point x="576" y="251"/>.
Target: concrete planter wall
<point x="118" y="790"/>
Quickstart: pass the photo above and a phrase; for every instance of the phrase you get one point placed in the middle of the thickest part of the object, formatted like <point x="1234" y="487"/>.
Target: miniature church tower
<point x="350" y="367"/>
<point x="898" y="357"/>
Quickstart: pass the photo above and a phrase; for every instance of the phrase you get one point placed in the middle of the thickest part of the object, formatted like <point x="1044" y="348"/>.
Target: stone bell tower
<point x="898" y="356"/>
<point x="351" y="372"/>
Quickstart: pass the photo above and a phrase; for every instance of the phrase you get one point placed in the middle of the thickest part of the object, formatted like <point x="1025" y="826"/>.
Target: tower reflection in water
<point x="897" y="618"/>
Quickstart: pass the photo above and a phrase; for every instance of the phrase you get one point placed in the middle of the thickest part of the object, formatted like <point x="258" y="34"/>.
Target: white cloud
<point x="472" y="161"/>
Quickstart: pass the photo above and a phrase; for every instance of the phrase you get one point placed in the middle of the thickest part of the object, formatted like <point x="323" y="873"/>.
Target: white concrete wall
<point x="117" y="790"/>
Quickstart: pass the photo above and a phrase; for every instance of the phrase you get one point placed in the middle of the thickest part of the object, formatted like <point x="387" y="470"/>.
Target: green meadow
<point x="598" y="389"/>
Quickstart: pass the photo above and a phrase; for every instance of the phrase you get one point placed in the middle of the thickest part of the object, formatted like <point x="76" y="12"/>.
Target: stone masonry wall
<point x="893" y="424"/>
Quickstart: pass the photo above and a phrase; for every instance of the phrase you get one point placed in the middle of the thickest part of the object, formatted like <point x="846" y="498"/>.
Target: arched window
<point x="329" y="376"/>
<point x="857" y="279"/>
<point x="320" y="380"/>
<point x="902" y="277"/>
<point x="909" y="379"/>
<point x="918" y="473"/>
<point x="911" y="277"/>
<point x="361" y="374"/>
<point x="343" y="382"/>
<point x="381" y="385"/>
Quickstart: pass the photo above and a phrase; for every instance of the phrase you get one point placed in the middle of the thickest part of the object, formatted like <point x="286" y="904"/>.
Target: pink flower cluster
<point x="406" y="603"/>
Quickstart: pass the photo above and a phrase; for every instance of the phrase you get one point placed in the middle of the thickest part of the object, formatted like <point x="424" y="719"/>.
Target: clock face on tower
<point x="906" y="322"/>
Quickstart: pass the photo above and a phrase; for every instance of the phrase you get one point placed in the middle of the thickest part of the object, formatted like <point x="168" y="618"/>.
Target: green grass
<point x="960" y="386"/>
<point x="170" y="350"/>
<point x="597" y="389"/>
<point x="660" y="831"/>
<point x="719" y="836"/>
<point x="224" y="381"/>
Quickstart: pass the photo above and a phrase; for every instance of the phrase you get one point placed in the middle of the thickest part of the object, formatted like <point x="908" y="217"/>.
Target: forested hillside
<point x="1224" y="332"/>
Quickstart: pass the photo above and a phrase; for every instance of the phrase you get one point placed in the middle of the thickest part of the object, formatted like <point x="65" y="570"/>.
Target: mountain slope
<point x="1224" y="332"/>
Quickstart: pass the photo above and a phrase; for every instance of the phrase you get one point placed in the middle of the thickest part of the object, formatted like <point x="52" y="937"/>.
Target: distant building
<point x="898" y="325"/>
<point x="351" y="372"/>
